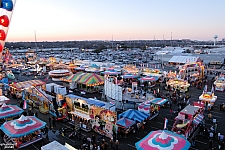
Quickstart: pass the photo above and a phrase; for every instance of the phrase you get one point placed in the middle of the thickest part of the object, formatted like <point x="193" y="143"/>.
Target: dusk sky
<point x="67" y="20"/>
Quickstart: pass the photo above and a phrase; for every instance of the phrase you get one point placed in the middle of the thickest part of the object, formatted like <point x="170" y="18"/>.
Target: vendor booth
<point x="152" y="72"/>
<point x="17" y="88"/>
<point x="178" y="84"/>
<point x="135" y="115"/>
<point x="93" y="114"/>
<point x="152" y="107"/>
<point x="163" y="140"/>
<point x="187" y="120"/>
<point x="131" y="69"/>
<point x="4" y="100"/>
<point x="38" y="98"/>
<point x="91" y="82"/>
<point x="220" y="83"/>
<point x="23" y="131"/>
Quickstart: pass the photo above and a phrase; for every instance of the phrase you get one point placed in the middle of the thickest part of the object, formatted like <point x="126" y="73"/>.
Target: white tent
<point x="183" y="59"/>
<point x="54" y="145"/>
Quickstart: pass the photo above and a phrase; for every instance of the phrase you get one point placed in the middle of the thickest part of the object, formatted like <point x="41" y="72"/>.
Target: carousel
<point x="23" y="131"/>
<point x="57" y="74"/>
<point x="178" y="84"/>
<point x="220" y="83"/>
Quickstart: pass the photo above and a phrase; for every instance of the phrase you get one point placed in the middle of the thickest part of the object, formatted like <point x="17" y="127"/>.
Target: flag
<point x="165" y="123"/>
<point x="25" y="104"/>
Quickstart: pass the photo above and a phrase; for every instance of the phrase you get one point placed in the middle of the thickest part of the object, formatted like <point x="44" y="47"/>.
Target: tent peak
<point x="163" y="135"/>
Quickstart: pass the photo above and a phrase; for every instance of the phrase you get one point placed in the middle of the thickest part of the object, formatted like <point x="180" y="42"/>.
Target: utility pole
<point x="35" y="38"/>
<point x="171" y="35"/>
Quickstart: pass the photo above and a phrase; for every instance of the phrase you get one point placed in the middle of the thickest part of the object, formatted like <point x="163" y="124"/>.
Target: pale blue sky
<point x="58" y="20"/>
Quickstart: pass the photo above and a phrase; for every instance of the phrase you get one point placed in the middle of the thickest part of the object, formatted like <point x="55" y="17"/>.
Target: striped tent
<point x="72" y="77"/>
<point x="134" y="115"/>
<point x="198" y="118"/>
<point x="27" y="84"/>
<point x="91" y="79"/>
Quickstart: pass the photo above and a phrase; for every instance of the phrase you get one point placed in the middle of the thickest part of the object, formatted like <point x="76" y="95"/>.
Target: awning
<point x="159" y="101"/>
<point x="198" y="118"/>
<point x="82" y="115"/>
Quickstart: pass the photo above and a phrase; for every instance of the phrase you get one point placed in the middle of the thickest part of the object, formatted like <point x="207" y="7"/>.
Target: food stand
<point x="208" y="97"/>
<point x="179" y="84"/>
<point x="187" y="120"/>
<point x="220" y="83"/>
<point x="23" y="131"/>
<point x="17" y="88"/>
<point x="91" y="114"/>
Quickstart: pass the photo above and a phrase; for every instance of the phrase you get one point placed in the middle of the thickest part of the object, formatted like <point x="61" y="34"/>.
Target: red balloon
<point x="2" y="35"/>
<point x="1" y="47"/>
<point x="4" y="21"/>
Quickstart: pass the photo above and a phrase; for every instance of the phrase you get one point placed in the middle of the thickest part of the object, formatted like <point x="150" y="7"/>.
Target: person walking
<point x="53" y="121"/>
<point x="93" y="139"/>
<point x="50" y="122"/>
<point x="193" y="141"/>
<point x="111" y="142"/>
<point x="117" y="144"/>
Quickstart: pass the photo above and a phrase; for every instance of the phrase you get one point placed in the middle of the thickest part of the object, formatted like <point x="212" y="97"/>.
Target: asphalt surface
<point x="129" y="141"/>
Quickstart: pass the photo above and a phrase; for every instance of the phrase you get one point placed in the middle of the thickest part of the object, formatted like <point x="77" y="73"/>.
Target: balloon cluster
<point x="5" y="17"/>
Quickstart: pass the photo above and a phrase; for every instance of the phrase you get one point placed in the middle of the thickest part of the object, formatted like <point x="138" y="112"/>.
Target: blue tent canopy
<point x="134" y="115"/>
<point x="89" y="101"/>
<point x="124" y="122"/>
<point x="94" y="66"/>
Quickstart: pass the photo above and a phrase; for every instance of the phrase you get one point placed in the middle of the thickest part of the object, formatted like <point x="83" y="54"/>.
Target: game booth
<point x="125" y="124"/>
<point x="23" y="131"/>
<point x="91" y="114"/>
<point x="187" y="120"/>
<point x="138" y="116"/>
<point x="178" y="84"/>
<point x="220" y="83"/>
<point x="163" y="140"/>
<point x="7" y="112"/>
<point x="152" y="107"/>
<point x="208" y="97"/>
